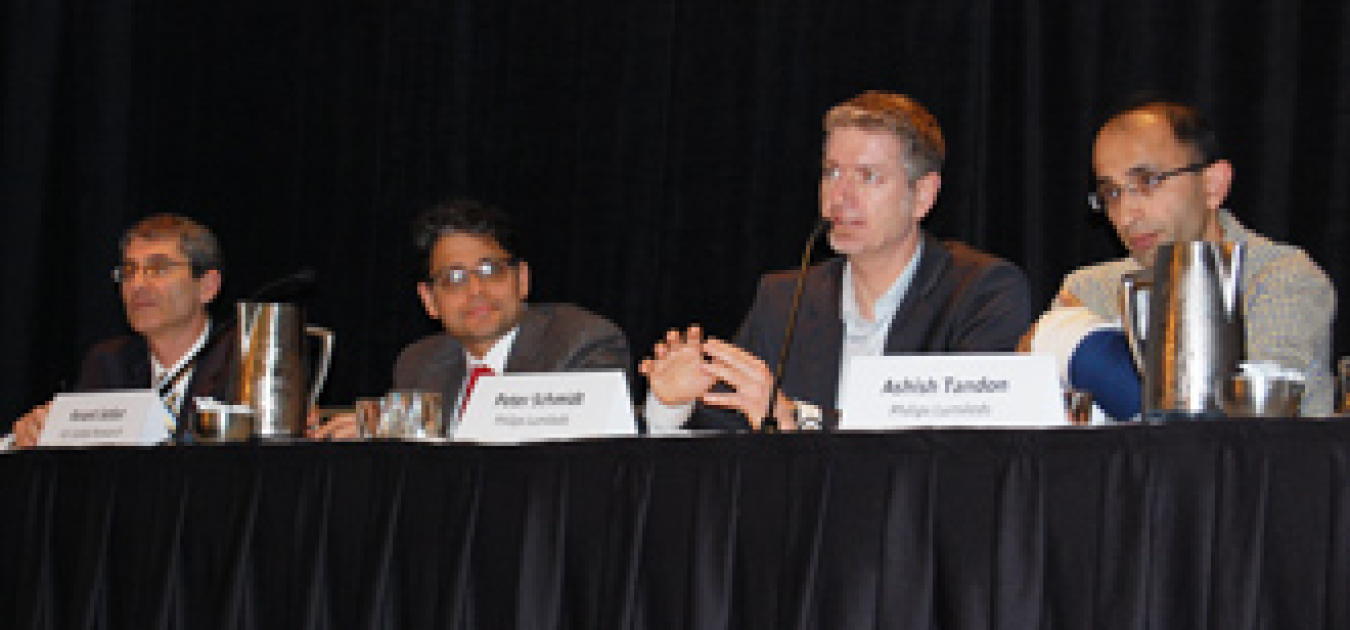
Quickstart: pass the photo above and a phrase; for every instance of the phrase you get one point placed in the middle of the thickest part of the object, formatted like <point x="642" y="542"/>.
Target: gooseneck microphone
<point x="770" y="424"/>
<point x="285" y="288"/>
<point x="280" y="289"/>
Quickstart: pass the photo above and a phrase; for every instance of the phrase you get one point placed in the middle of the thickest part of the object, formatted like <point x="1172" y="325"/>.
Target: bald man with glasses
<point x="1159" y="179"/>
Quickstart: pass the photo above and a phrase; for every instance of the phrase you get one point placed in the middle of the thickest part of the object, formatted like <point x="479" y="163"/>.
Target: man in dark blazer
<point x="894" y="290"/>
<point x="475" y="286"/>
<point x="169" y="273"/>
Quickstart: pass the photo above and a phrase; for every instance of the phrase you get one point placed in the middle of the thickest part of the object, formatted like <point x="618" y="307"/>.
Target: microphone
<point x="285" y="288"/>
<point x="770" y="424"/>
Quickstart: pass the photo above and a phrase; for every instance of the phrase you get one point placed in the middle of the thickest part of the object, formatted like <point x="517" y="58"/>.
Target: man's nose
<point x="474" y="284"/>
<point x="1128" y="208"/>
<point x="838" y="192"/>
<point x="136" y="280"/>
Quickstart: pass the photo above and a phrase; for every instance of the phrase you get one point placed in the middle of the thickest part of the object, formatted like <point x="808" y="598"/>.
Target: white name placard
<point x="963" y="390"/>
<point x="130" y="417"/>
<point x="553" y="406"/>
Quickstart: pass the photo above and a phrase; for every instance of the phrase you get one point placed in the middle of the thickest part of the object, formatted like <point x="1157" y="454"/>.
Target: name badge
<point x="965" y="390"/>
<point x="553" y="406"/>
<point x="131" y="417"/>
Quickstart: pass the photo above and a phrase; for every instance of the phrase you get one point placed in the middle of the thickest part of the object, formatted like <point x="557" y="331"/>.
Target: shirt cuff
<point x="663" y="417"/>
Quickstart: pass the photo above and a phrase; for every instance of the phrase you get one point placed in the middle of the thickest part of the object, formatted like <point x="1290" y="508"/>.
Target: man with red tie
<point x="475" y="286"/>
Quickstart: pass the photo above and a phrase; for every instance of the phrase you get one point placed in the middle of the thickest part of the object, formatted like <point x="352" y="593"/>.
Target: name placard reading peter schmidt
<point x="526" y="407"/>
<point x="951" y="389"/>
<point x="540" y="409"/>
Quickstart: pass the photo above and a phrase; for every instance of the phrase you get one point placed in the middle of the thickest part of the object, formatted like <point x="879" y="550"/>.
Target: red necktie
<point x="477" y="371"/>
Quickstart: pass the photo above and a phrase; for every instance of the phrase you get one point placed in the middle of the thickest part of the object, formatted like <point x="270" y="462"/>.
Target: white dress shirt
<point x="495" y="359"/>
<point x="173" y="399"/>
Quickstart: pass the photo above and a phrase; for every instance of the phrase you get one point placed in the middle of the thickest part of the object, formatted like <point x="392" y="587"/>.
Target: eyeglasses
<point x="487" y="270"/>
<point x="154" y="269"/>
<point x="864" y="175"/>
<point x="1108" y="193"/>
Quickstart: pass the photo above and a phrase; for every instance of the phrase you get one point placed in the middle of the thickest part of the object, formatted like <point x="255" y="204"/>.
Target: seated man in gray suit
<point x="894" y="289"/>
<point x="476" y="287"/>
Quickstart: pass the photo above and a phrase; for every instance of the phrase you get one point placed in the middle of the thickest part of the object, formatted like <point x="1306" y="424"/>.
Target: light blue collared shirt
<point x="867" y="337"/>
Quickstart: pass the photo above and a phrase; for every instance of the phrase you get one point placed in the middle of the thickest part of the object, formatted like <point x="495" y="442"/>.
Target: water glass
<point x="410" y="415"/>
<point x="1079" y="405"/>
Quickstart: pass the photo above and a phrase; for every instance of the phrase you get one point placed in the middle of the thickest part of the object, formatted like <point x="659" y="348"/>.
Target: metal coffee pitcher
<point x="1185" y="326"/>
<point x="273" y="366"/>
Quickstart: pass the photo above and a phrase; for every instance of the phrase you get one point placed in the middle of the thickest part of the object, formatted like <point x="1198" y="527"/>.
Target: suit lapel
<point x="525" y="355"/>
<point x="818" y="345"/>
<point x="137" y="362"/>
<point x="214" y="373"/>
<point x="910" y="330"/>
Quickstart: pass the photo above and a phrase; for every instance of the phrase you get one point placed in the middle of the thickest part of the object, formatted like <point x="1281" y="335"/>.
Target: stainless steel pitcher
<point x="1185" y="325"/>
<point x="273" y="366"/>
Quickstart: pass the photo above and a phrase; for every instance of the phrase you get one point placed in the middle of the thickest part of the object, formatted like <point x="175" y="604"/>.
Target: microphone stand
<point x="770" y="423"/>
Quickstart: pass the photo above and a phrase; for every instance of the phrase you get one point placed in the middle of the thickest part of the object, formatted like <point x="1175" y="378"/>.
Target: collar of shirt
<point x="1232" y="229"/>
<point x="857" y="326"/>
<point x="495" y="357"/>
<point x="864" y="337"/>
<point x="158" y="372"/>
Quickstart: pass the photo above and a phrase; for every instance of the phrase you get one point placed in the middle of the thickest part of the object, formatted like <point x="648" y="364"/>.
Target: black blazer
<point x="552" y="338"/>
<point x="960" y="300"/>
<point x="124" y="363"/>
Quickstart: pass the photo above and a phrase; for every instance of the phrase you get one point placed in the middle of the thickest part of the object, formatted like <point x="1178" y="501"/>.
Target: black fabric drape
<point x="1222" y="525"/>
<point x="658" y="155"/>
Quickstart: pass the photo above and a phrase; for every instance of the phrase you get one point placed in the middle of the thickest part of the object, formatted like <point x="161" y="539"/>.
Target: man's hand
<point x="28" y="427"/>
<point x="677" y="373"/>
<point x="1065" y="300"/>
<point x="750" y="380"/>
<point x="343" y="426"/>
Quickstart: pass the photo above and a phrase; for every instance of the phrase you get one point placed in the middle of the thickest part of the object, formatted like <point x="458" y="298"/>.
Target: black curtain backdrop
<point x="658" y="156"/>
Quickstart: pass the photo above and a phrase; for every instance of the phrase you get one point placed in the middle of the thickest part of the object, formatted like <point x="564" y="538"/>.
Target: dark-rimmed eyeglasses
<point x="487" y="270"/>
<point x="1108" y="194"/>
<point x="154" y="269"/>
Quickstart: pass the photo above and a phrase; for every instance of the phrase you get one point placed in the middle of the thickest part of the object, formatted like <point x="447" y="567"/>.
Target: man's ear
<point x="523" y="279"/>
<point x="1217" y="179"/>
<point x="925" y="194"/>
<point x="208" y="286"/>
<point x="428" y="300"/>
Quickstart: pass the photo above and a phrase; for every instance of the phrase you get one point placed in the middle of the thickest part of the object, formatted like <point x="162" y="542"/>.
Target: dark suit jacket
<point x="124" y="363"/>
<point x="552" y="338"/>
<point x="960" y="300"/>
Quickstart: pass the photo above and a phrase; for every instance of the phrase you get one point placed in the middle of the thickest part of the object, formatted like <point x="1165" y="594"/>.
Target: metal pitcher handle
<point x="322" y="375"/>
<point x="1134" y="313"/>
<point x="1232" y="280"/>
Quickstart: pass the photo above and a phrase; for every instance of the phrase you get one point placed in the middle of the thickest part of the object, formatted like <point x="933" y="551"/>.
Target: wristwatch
<point x="807" y="416"/>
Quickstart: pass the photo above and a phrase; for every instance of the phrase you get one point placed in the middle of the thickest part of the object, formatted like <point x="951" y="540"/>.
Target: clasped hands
<point x="685" y="367"/>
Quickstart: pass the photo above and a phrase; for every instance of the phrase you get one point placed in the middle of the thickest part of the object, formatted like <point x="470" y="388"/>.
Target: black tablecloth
<point x="1190" y="525"/>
